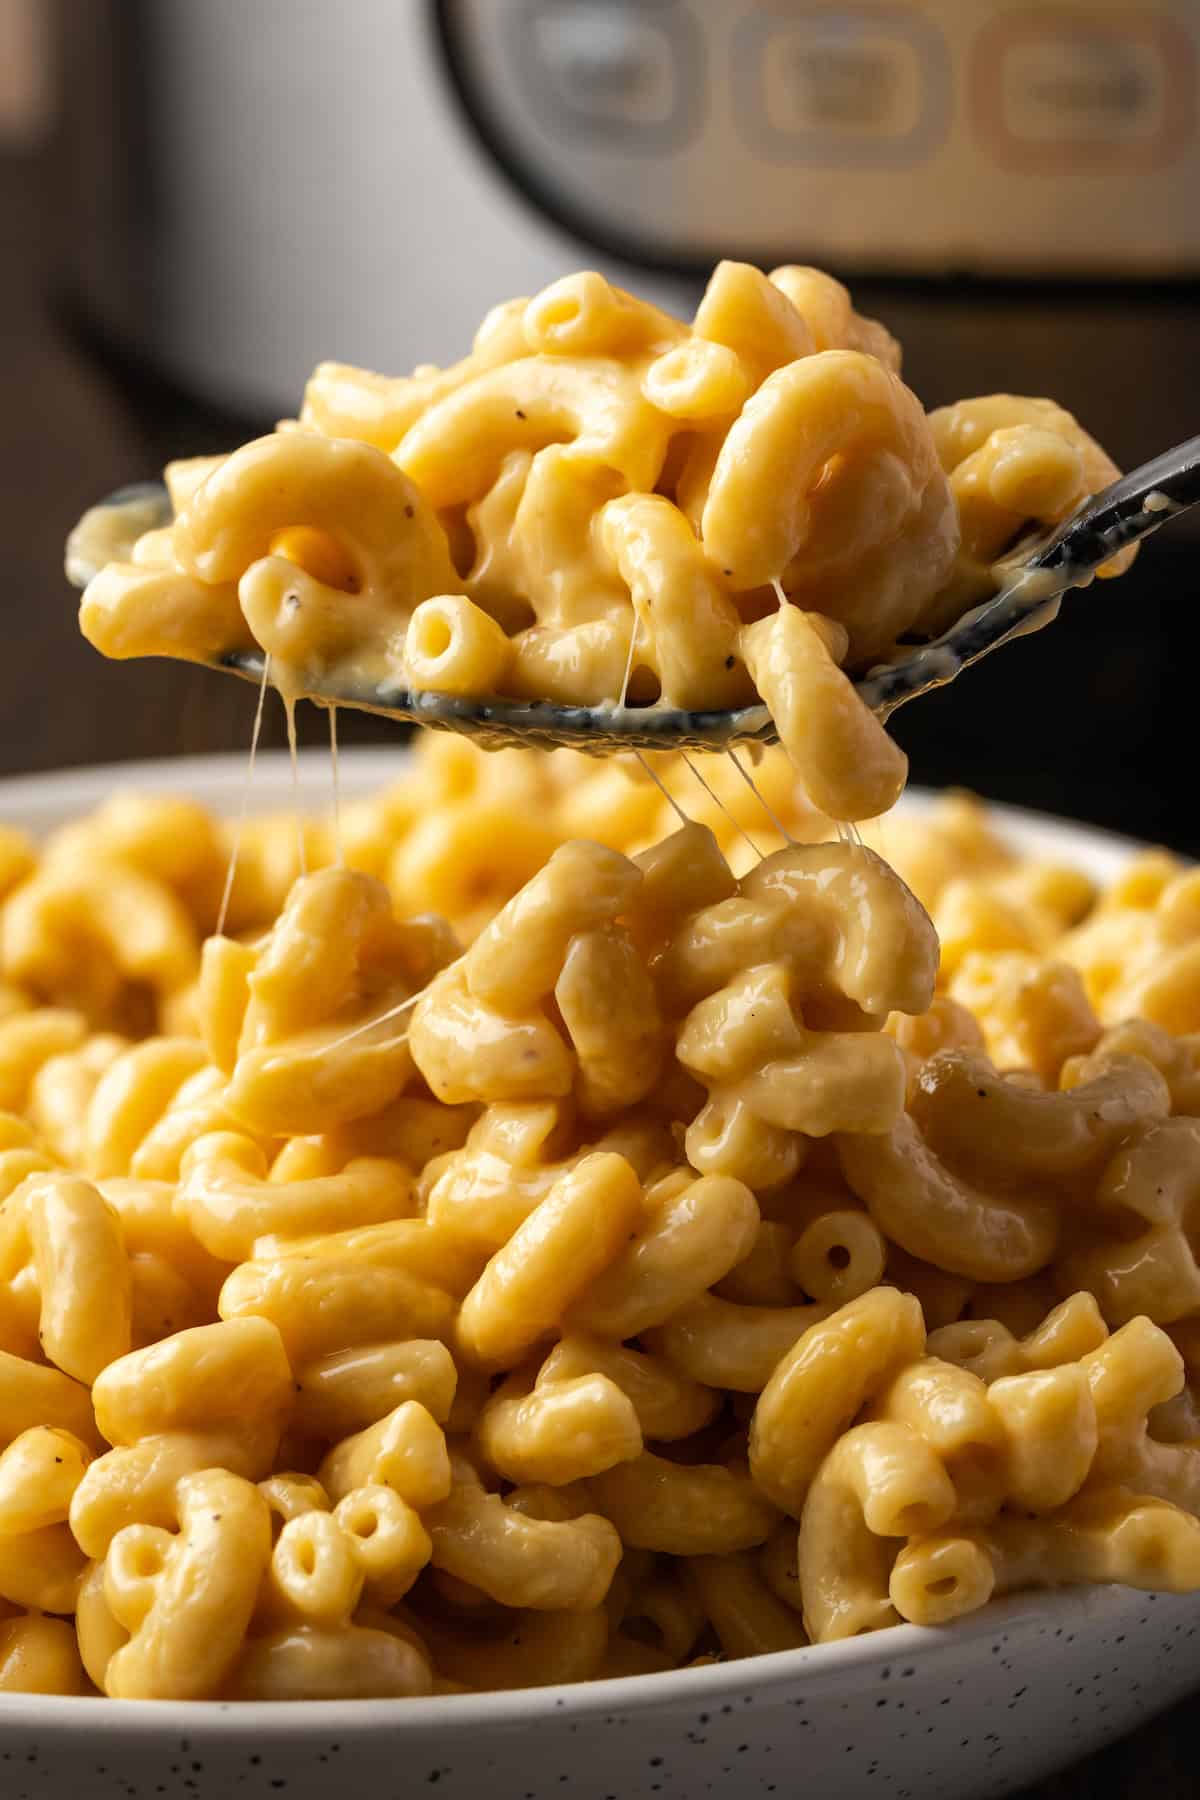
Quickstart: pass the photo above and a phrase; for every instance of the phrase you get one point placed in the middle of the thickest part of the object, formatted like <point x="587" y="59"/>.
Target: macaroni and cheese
<point x="661" y="1256"/>
<point x="563" y="1218"/>
<point x="601" y="505"/>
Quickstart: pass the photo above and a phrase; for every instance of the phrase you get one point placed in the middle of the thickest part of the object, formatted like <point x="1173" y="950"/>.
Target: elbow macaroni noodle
<point x="600" y="503"/>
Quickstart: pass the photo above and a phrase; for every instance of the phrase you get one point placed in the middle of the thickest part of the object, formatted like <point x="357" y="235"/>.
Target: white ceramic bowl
<point x="967" y="1712"/>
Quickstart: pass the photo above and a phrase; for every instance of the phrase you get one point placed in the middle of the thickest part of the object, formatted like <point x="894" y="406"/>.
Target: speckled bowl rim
<point x="903" y="1651"/>
<point x="41" y="800"/>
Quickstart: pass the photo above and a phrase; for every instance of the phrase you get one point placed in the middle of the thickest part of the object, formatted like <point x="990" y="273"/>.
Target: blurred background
<point x="199" y="199"/>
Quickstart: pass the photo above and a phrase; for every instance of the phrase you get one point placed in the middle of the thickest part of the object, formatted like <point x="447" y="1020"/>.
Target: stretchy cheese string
<point x="633" y="638"/>
<point x="393" y="1012"/>
<point x="231" y="871"/>
<point x="779" y="593"/>
<point x="750" y="782"/>
<point x="663" y="790"/>
<point x="289" y="707"/>
<point x="337" y="788"/>
<point x="742" y="833"/>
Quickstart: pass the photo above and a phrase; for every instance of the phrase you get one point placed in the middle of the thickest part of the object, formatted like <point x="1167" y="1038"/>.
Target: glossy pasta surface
<point x="547" y="1240"/>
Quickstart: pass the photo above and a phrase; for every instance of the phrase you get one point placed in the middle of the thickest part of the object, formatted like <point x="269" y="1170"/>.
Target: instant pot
<point x="253" y="185"/>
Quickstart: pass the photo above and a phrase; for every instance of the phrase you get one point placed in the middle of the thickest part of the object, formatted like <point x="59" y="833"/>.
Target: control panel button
<point x="862" y="84"/>
<point x="842" y="84"/>
<point x="610" y="68"/>
<point x="1059" y="90"/>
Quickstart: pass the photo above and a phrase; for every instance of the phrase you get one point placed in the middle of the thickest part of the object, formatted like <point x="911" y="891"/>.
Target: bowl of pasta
<point x="353" y="1357"/>
<point x="565" y="1275"/>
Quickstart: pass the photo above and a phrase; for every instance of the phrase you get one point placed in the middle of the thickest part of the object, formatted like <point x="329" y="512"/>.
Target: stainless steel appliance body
<point x="259" y="183"/>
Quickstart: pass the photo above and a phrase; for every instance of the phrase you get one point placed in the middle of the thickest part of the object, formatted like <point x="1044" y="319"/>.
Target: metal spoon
<point x="1034" y="580"/>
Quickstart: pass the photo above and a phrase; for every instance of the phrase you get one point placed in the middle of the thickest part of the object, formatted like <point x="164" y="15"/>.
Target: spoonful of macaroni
<point x="609" y="529"/>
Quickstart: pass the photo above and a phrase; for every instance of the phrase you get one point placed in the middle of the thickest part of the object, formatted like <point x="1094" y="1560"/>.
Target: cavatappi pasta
<point x="602" y="504"/>
<point x="556" y="1242"/>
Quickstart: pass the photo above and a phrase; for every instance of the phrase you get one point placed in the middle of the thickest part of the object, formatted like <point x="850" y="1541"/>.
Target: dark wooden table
<point x="72" y="428"/>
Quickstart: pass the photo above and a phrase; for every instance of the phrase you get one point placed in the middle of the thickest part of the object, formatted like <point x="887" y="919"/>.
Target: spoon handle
<point x="1130" y="509"/>
<point x="1119" y="515"/>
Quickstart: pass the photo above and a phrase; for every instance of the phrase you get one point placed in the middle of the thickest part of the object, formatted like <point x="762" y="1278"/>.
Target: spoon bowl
<point x="1032" y="580"/>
